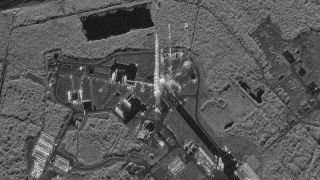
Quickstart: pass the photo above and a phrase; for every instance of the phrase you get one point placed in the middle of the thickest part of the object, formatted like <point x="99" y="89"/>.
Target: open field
<point x="98" y="138"/>
<point x="295" y="156"/>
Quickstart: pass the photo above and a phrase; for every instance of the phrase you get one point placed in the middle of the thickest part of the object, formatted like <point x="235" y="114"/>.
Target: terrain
<point x="252" y="98"/>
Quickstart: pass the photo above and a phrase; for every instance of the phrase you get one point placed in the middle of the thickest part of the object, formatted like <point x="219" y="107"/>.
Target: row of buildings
<point x="207" y="163"/>
<point x="42" y="154"/>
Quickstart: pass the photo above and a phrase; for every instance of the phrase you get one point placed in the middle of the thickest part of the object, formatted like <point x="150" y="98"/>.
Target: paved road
<point x="109" y="161"/>
<point x="230" y="164"/>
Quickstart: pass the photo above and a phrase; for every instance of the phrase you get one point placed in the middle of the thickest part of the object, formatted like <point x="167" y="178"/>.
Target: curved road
<point x="230" y="163"/>
<point x="109" y="161"/>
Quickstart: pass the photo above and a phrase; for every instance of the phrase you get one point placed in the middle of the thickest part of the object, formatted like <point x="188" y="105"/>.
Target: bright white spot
<point x="180" y="54"/>
<point x="162" y="80"/>
<point x="186" y="25"/>
<point x="187" y="64"/>
<point x="161" y="143"/>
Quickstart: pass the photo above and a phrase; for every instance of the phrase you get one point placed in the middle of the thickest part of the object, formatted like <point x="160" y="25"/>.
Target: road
<point x="5" y="61"/>
<point x="109" y="161"/>
<point x="230" y="163"/>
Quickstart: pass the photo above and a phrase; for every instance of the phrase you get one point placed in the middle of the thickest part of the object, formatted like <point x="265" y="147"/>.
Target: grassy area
<point x="88" y="152"/>
<point x="295" y="156"/>
<point x="144" y="61"/>
<point x="100" y="136"/>
<point x="177" y="123"/>
<point x="231" y="106"/>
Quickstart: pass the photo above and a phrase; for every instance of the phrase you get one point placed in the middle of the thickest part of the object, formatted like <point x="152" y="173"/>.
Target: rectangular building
<point x="176" y="165"/>
<point x="62" y="164"/>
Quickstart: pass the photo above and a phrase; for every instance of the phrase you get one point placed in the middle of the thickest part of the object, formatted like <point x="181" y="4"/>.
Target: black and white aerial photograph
<point x="159" y="90"/>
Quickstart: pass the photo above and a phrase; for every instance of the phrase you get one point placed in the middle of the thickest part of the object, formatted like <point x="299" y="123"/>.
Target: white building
<point x="176" y="165"/>
<point x="41" y="153"/>
<point x="62" y="164"/>
<point x="205" y="161"/>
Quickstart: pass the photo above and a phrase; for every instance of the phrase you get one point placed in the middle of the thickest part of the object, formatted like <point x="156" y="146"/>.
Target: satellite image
<point x="160" y="90"/>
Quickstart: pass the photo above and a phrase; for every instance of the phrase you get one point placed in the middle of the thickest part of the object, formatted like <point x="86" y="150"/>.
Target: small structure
<point x="314" y="88"/>
<point x="191" y="148"/>
<point x="205" y="161"/>
<point x="37" y="168"/>
<point x="90" y="69"/>
<point x="75" y="97"/>
<point x="114" y="75"/>
<point x="245" y="172"/>
<point x="78" y="120"/>
<point x="143" y="134"/>
<point x="132" y="168"/>
<point x="46" y="138"/>
<point x="162" y="144"/>
<point x="202" y="158"/>
<point x="146" y="129"/>
<point x="87" y="105"/>
<point x="119" y="112"/>
<point x="166" y="134"/>
<point x="176" y="166"/>
<point x="128" y="108"/>
<point x="122" y="72"/>
<point x="62" y="164"/>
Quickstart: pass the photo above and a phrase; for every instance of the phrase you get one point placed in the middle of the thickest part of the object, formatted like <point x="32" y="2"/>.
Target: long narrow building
<point x="156" y="71"/>
<point x="170" y="52"/>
